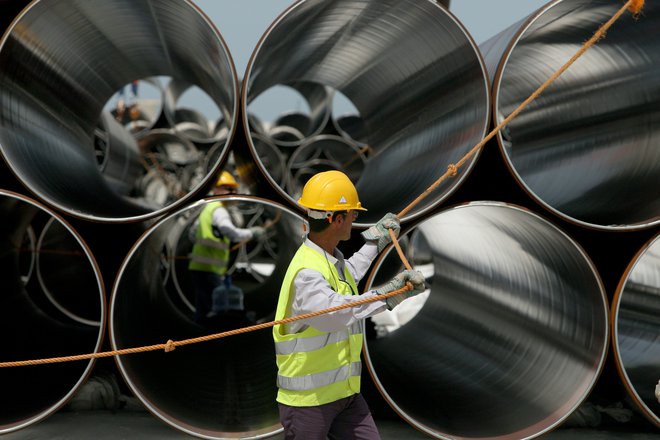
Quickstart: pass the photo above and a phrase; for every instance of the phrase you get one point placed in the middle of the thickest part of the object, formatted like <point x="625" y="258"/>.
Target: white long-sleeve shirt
<point x="222" y="221"/>
<point x="312" y="292"/>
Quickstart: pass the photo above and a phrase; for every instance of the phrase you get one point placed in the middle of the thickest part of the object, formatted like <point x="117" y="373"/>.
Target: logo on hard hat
<point x="342" y="200"/>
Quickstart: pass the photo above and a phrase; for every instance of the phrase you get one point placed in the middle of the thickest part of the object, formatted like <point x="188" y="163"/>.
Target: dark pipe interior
<point x="410" y="70"/>
<point x="637" y="330"/>
<point x="513" y="332"/>
<point x="63" y="60"/>
<point x="587" y="147"/>
<point x="31" y="326"/>
<point x="232" y="380"/>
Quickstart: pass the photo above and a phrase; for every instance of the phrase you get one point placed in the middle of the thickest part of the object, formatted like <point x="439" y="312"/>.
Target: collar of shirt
<point x="338" y="257"/>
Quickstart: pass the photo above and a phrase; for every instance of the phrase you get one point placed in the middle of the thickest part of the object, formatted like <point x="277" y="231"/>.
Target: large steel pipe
<point x="636" y="329"/>
<point x="588" y="148"/>
<point x="44" y="314"/>
<point x="411" y="71"/>
<point x="218" y="389"/>
<point x="62" y="60"/>
<point x="509" y="337"/>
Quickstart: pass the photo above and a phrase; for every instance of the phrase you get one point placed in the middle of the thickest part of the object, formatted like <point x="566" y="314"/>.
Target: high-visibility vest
<point x="316" y="367"/>
<point x="209" y="253"/>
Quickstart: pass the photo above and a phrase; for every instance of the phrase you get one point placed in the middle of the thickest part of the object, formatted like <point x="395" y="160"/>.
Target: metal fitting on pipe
<point x="231" y="380"/>
<point x="63" y="61"/>
<point x="365" y="50"/>
<point x="60" y="312"/>
<point x="636" y="329"/>
<point x="512" y="331"/>
<point x="587" y="148"/>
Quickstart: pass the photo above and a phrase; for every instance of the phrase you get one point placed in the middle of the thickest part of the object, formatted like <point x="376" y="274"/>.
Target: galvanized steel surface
<point x="587" y="148"/>
<point x="512" y="333"/>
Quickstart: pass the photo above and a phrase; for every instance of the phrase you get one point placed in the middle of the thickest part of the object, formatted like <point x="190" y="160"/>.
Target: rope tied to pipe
<point x="634" y="6"/>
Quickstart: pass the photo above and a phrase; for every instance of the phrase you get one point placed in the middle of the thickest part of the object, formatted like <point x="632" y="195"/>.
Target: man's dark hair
<point x="319" y="225"/>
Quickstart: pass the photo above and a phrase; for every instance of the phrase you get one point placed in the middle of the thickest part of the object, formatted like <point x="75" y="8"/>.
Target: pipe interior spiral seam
<point x="231" y="380"/>
<point x="409" y="68"/>
<point x="509" y="337"/>
<point x="63" y="60"/>
<point x="588" y="148"/>
<point x="636" y="329"/>
<point x="52" y="304"/>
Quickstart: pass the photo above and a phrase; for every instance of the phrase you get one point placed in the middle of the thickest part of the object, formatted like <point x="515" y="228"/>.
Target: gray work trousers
<point x="344" y="419"/>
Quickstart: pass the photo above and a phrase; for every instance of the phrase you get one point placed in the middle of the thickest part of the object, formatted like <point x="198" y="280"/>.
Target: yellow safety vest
<point x="209" y="253"/>
<point x="316" y="367"/>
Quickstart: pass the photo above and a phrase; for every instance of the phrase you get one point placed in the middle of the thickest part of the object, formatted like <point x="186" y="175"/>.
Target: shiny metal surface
<point x="191" y="124"/>
<point x="31" y="327"/>
<point x="587" y="148"/>
<point x="636" y="329"/>
<point x="63" y="60"/>
<point x="231" y="381"/>
<point x="409" y="69"/>
<point x="117" y="154"/>
<point x="510" y="336"/>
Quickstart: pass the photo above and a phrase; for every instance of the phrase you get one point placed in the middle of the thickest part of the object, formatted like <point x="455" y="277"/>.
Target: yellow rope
<point x="170" y="345"/>
<point x="634" y="6"/>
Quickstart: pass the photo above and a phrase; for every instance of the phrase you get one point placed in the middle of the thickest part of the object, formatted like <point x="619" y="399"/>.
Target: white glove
<point x="257" y="232"/>
<point x="415" y="277"/>
<point x="379" y="232"/>
<point x="657" y="391"/>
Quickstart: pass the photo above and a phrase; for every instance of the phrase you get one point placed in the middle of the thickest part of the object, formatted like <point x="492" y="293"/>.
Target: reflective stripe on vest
<point x="316" y="367"/>
<point x="319" y="380"/>
<point x="303" y="345"/>
<point x="209" y="253"/>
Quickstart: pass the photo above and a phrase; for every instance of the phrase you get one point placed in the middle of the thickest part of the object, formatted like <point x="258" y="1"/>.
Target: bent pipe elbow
<point x="65" y="59"/>
<point x="512" y="330"/>
<point x="223" y="388"/>
<point x="587" y="148"/>
<point x="365" y="50"/>
<point x="52" y="305"/>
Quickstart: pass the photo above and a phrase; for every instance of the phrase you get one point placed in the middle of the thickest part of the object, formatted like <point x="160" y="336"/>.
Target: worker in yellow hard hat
<point x="318" y="358"/>
<point x="212" y="235"/>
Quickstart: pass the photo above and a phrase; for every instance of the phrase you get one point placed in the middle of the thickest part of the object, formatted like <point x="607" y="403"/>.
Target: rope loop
<point x="636" y="7"/>
<point x="169" y="346"/>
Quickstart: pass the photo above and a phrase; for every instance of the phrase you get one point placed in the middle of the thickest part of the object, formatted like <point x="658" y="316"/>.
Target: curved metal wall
<point x="41" y="317"/>
<point x="587" y="148"/>
<point x="512" y="330"/>
<point x="63" y="60"/>
<point x="636" y="329"/>
<point x="411" y="71"/>
<point x="217" y="389"/>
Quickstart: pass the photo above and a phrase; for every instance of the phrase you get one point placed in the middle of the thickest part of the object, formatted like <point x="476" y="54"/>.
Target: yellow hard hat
<point x="330" y="191"/>
<point x="226" y="179"/>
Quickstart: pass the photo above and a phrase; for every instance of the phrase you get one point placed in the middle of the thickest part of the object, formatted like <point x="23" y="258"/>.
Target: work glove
<point x="657" y="391"/>
<point x="257" y="232"/>
<point x="415" y="277"/>
<point x="379" y="232"/>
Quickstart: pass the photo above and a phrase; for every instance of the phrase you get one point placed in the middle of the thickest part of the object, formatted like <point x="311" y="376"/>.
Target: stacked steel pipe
<point x="524" y="250"/>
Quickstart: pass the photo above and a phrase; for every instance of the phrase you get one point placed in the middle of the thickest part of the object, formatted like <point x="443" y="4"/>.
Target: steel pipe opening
<point x="636" y="329"/>
<point x="410" y="70"/>
<point x="63" y="60"/>
<point x="587" y="147"/>
<point x="52" y="304"/>
<point x="231" y="380"/>
<point x="509" y="337"/>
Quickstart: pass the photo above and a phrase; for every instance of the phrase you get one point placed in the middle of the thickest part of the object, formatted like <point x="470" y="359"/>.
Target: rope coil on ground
<point x="633" y="6"/>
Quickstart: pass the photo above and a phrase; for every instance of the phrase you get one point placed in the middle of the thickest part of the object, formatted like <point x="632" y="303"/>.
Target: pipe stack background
<point x="542" y="256"/>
